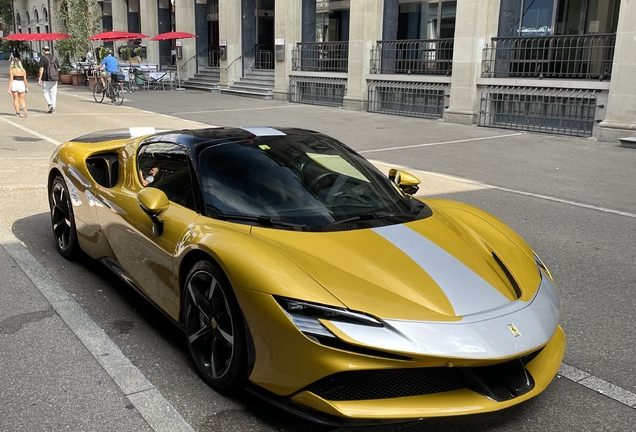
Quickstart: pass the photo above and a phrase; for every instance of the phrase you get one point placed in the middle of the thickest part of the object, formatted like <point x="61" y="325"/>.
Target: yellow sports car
<point x="301" y="272"/>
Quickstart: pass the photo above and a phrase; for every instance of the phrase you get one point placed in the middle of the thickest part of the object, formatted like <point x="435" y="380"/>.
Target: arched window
<point x="17" y="20"/>
<point x="36" y="20"/>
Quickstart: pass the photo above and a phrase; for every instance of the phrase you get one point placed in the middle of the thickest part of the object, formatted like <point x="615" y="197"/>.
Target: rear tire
<point x="98" y="94"/>
<point x="214" y="328"/>
<point x="118" y="95"/>
<point x="63" y="219"/>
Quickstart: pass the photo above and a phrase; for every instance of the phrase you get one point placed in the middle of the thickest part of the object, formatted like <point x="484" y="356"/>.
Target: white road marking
<point x="439" y="143"/>
<point x="238" y="109"/>
<point x="515" y="191"/>
<point x="30" y="131"/>
<point x="599" y="385"/>
<point x="148" y="401"/>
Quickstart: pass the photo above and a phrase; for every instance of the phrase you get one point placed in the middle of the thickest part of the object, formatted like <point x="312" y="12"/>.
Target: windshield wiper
<point x="365" y="216"/>
<point x="260" y="220"/>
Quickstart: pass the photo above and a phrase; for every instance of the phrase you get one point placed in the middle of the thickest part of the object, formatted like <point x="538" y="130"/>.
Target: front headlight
<point x="306" y="317"/>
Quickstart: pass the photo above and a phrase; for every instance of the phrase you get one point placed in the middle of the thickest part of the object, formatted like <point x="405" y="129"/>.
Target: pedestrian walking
<point x="48" y="76"/>
<point x="18" y="85"/>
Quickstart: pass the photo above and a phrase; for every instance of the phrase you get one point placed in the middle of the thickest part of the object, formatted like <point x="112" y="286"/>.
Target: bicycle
<point x="114" y="90"/>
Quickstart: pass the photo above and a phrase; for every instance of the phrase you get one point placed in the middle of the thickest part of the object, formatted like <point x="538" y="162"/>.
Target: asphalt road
<point x="573" y="199"/>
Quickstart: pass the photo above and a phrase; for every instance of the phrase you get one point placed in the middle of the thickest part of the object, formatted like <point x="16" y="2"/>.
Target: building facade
<point x="556" y="66"/>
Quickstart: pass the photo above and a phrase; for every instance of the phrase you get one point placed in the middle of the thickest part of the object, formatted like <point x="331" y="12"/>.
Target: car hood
<point x="435" y="269"/>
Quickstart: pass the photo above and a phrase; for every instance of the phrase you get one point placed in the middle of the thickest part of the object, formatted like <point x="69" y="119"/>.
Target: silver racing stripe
<point x="467" y="292"/>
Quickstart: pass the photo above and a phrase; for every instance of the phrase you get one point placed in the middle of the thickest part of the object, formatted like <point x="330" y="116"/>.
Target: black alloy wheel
<point x="62" y="219"/>
<point x="215" y="328"/>
<point x="98" y="91"/>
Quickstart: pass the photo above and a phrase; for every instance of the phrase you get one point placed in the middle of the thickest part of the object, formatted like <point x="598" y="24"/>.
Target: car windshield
<point x="299" y="181"/>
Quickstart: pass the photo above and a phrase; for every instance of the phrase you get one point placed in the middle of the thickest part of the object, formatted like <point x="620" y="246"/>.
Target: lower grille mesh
<point x="493" y="381"/>
<point x="383" y="384"/>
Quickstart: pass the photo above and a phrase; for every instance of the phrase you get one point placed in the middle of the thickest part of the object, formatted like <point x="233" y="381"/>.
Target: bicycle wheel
<point x="98" y="93"/>
<point x="118" y="95"/>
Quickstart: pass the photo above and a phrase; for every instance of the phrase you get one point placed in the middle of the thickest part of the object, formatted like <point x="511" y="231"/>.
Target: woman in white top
<point x="18" y="86"/>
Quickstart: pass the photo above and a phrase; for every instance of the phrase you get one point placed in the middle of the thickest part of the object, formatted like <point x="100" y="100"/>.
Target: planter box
<point x="66" y="79"/>
<point x="91" y="81"/>
<point x="77" y="79"/>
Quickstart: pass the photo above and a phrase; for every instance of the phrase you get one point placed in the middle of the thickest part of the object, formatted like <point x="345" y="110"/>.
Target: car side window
<point x="166" y="166"/>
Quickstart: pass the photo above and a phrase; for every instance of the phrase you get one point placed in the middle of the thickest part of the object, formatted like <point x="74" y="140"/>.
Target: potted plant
<point x="64" y="51"/>
<point x="139" y="53"/>
<point x="65" y="74"/>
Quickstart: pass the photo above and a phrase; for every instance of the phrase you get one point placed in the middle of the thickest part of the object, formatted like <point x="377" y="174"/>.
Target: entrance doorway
<point x="214" y="53"/>
<point x="265" y="34"/>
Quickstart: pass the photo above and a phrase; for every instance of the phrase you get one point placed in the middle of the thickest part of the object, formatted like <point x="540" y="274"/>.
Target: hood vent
<point x="511" y="279"/>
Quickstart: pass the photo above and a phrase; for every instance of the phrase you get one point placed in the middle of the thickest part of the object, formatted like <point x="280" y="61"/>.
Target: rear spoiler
<point x="116" y="134"/>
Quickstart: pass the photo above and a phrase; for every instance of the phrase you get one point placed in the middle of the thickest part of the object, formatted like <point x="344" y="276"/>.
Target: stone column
<point x="620" y="117"/>
<point x="230" y="33"/>
<point x="248" y="33"/>
<point x="288" y="15"/>
<point x="184" y="21"/>
<point x="475" y="25"/>
<point x="150" y="26"/>
<point x="308" y="11"/>
<point x="120" y="20"/>
<point x="365" y="28"/>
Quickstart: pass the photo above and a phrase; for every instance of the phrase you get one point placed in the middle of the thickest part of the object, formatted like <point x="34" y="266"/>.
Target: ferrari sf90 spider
<point x="299" y="271"/>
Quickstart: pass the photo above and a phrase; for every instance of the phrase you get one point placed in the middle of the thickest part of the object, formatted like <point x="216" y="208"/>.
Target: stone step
<point x="258" y="90"/>
<point x="240" y="92"/>
<point x="201" y="80"/>
<point x="214" y="88"/>
<point x="254" y="84"/>
<point x="265" y="72"/>
<point x="258" y="79"/>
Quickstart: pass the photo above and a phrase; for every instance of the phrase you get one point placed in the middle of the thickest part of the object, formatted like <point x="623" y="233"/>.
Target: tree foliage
<point x="6" y="16"/>
<point x="81" y="19"/>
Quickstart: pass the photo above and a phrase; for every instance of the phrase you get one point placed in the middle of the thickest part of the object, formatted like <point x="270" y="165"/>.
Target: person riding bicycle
<point x="110" y="65"/>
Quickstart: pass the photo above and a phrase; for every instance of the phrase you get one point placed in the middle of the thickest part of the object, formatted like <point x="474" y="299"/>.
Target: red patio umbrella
<point x="172" y="36"/>
<point x="24" y="37"/>
<point x="49" y="36"/>
<point x="117" y="35"/>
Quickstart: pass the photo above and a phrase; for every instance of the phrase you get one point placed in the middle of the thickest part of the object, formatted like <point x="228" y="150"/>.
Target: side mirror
<point x="405" y="181"/>
<point x="154" y="202"/>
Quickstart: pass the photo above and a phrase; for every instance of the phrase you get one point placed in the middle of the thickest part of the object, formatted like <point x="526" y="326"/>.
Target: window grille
<point x="550" y="110"/>
<point x="413" y="99"/>
<point x="317" y="90"/>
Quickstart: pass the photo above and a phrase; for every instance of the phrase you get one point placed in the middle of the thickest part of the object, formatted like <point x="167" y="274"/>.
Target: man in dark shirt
<point x="49" y="85"/>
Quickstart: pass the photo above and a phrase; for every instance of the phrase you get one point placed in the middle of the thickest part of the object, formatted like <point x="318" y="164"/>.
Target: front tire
<point x="63" y="219"/>
<point x="214" y="328"/>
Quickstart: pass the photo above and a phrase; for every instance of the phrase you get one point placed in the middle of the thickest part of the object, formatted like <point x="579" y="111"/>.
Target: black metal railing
<point x="318" y="90"/>
<point x="214" y="56"/>
<point x="264" y="59"/>
<point x="413" y="99"/>
<point x="433" y="56"/>
<point x="321" y="56"/>
<point x="550" y="110"/>
<point x="572" y="57"/>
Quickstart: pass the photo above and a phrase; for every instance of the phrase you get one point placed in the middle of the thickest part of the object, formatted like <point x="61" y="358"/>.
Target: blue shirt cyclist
<point x="110" y="65"/>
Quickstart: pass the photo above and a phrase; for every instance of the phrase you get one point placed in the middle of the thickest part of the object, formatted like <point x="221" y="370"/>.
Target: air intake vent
<point x="511" y="279"/>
